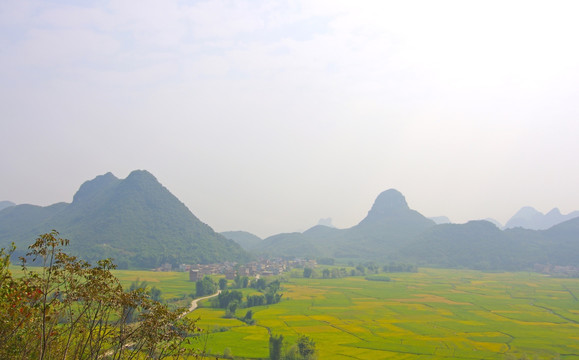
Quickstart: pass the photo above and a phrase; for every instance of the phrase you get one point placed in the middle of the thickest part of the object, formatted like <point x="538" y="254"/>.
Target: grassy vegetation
<point x="431" y="314"/>
<point x="172" y="284"/>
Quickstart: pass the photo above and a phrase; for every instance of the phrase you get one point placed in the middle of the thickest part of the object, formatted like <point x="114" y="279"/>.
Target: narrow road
<point x="194" y="302"/>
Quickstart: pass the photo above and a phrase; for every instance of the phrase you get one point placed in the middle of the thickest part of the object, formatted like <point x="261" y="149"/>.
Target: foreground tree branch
<point x="68" y="309"/>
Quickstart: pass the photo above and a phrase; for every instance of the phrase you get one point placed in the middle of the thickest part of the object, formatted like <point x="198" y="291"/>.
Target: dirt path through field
<point x="194" y="302"/>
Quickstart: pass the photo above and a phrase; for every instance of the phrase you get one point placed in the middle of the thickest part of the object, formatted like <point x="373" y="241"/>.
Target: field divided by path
<point x="432" y="314"/>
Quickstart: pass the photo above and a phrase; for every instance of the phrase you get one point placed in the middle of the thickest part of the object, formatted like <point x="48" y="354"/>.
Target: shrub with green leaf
<point x="69" y="309"/>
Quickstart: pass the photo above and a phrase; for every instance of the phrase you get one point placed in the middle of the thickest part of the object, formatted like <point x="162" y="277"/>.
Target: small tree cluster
<point x="259" y="284"/>
<point x="275" y="347"/>
<point x="255" y="300"/>
<point x="226" y="297"/>
<point x="222" y="284"/>
<point x="205" y="286"/>
<point x="232" y="300"/>
<point x="241" y="282"/>
<point x="248" y="318"/>
<point x="303" y="349"/>
<point x="334" y="273"/>
<point x="228" y="300"/>
<point x="399" y="267"/>
<point x="368" y="268"/>
<point x="271" y="292"/>
<point x="326" y="261"/>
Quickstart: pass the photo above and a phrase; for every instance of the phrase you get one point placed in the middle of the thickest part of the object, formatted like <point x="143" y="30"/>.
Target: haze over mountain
<point x="440" y="219"/>
<point x="393" y="232"/>
<point x="494" y="221"/>
<point x="378" y="236"/>
<point x="136" y="221"/>
<point x="326" y="222"/>
<point x="246" y="240"/>
<point x="140" y="223"/>
<point x="530" y="218"/>
<point x="328" y="103"/>
<point x="5" y="204"/>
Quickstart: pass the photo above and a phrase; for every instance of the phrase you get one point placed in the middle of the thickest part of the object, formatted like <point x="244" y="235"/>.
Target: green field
<point x="432" y="314"/>
<point x="172" y="284"/>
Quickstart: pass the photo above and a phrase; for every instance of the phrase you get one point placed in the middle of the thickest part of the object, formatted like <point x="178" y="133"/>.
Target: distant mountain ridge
<point x="529" y="218"/>
<point x="393" y="232"/>
<point x="246" y="240"/>
<point x="140" y="223"/>
<point x="440" y="219"/>
<point x="5" y="204"/>
<point x="136" y="221"/>
<point x="377" y="237"/>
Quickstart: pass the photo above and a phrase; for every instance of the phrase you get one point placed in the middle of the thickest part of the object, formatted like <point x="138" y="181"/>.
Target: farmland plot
<point x="432" y="314"/>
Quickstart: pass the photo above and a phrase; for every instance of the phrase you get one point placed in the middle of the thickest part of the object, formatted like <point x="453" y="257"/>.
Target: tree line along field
<point x="431" y="314"/>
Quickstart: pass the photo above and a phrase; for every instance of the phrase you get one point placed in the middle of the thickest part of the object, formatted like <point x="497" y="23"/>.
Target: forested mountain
<point x="5" y="204"/>
<point x="440" y="219"/>
<point x="476" y="245"/>
<point x="389" y="223"/>
<point x="481" y="245"/>
<point x="387" y="227"/>
<point x="394" y="232"/>
<point x="140" y="223"/>
<point x="529" y="218"/>
<point x="562" y="243"/>
<point x="245" y="239"/>
<point x="136" y="221"/>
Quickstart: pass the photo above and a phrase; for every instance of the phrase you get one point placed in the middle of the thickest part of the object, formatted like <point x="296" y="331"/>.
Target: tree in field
<point x="303" y="349"/>
<point x="205" y="286"/>
<point x="231" y="309"/>
<point x="306" y="347"/>
<point x="275" y="346"/>
<point x="222" y="284"/>
<point x="308" y="272"/>
<point x="259" y="284"/>
<point x="255" y="300"/>
<point x="240" y="282"/>
<point x="69" y="309"/>
<point x="248" y="316"/>
<point x="226" y="297"/>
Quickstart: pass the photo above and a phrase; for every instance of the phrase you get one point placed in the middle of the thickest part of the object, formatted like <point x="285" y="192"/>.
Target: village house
<point x="264" y="267"/>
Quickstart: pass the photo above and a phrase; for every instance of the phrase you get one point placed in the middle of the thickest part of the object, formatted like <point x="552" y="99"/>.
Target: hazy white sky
<point x="266" y="116"/>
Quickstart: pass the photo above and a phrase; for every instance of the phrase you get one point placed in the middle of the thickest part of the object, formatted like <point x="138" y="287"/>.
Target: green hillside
<point x="5" y="204"/>
<point x="136" y="221"/>
<point x="246" y="240"/>
<point x="392" y="232"/>
<point x="390" y="223"/>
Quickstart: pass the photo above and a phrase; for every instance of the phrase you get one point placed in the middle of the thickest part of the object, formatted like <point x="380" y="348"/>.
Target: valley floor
<point x="432" y="314"/>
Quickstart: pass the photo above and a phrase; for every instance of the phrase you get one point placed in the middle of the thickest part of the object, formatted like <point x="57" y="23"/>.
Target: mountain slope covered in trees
<point x="140" y="223"/>
<point x="247" y="240"/>
<point x="136" y="221"/>
<point x="5" y="204"/>
<point x="389" y="223"/>
<point x="393" y="232"/>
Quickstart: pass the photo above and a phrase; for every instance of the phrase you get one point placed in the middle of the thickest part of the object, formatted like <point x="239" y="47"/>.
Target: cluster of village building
<point x="565" y="271"/>
<point x="263" y="267"/>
